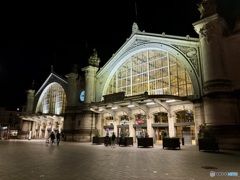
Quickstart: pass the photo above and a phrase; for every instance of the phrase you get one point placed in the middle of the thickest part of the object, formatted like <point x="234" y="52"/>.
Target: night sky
<point x="36" y="35"/>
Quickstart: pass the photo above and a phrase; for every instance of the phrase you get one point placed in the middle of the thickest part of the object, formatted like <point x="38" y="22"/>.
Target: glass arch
<point x="155" y="71"/>
<point x="52" y="100"/>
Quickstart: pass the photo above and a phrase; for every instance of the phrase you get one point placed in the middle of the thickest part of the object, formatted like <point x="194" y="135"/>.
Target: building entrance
<point x="159" y="134"/>
<point x="186" y="134"/>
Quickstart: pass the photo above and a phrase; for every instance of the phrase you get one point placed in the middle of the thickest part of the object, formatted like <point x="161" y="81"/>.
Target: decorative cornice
<point x="217" y="86"/>
<point x="138" y="42"/>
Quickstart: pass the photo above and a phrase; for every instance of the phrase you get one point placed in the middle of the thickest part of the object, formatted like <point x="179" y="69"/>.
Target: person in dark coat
<point x="58" y="138"/>
<point x="52" y="137"/>
<point x="106" y="140"/>
<point x="113" y="139"/>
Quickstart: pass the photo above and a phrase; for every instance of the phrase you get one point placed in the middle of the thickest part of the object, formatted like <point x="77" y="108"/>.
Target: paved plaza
<point x="34" y="159"/>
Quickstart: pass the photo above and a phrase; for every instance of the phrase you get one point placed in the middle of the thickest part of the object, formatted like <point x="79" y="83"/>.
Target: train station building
<point x="154" y="83"/>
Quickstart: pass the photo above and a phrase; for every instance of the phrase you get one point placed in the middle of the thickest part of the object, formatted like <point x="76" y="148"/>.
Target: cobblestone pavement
<point x="34" y="159"/>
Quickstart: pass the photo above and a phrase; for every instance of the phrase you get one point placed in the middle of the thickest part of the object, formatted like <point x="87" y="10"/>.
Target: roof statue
<point x="135" y="28"/>
<point x="207" y="8"/>
<point x="33" y="85"/>
<point x="94" y="60"/>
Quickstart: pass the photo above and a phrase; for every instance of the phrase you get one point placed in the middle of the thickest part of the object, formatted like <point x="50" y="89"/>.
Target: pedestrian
<point x="63" y="135"/>
<point x="106" y="140"/>
<point x="113" y="139"/>
<point x="164" y="134"/>
<point x="58" y="138"/>
<point x="52" y="137"/>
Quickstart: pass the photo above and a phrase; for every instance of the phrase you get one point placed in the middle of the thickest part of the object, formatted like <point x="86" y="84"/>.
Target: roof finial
<point x="52" y="69"/>
<point x="135" y="28"/>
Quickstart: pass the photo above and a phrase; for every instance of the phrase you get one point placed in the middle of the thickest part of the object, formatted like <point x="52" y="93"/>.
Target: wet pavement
<point x="34" y="159"/>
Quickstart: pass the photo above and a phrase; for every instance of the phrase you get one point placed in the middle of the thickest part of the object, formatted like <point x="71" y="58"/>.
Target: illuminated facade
<point x="45" y="109"/>
<point x="154" y="83"/>
<point x="149" y="87"/>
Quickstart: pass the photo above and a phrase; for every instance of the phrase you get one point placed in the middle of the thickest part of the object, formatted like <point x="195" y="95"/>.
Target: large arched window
<point x="184" y="116"/>
<point x="154" y="71"/>
<point x="52" y="100"/>
<point x="161" y="117"/>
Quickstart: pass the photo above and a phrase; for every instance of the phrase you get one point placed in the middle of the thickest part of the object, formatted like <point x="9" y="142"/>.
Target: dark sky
<point x="36" y="35"/>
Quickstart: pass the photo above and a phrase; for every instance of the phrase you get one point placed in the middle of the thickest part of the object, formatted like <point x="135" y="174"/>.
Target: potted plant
<point x="171" y="142"/>
<point x="207" y="139"/>
<point x="125" y="140"/>
<point x="97" y="139"/>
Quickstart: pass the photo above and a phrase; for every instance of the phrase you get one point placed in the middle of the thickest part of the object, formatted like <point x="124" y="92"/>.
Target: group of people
<point x="112" y="139"/>
<point x="52" y="137"/>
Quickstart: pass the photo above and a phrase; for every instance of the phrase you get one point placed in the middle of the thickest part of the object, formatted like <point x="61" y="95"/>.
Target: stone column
<point x="40" y="129"/>
<point x="218" y="104"/>
<point x="72" y="92"/>
<point x="46" y="133"/>
<point x="90" y="75"/>
<point x="60" y="126"/>
<point x="34" y="129"/>
<point x="198" y="118"/>
<point x="149" y="127"/>
<point x="30" y="100"/>
<point x="216" y="85"/>
<point x="211" y="30"/>
<point x="131" y="129"/>
<point x="171" y="128"/>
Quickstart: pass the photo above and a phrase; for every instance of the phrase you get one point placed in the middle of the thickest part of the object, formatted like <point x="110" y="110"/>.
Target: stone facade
<point x="211" y="62"/>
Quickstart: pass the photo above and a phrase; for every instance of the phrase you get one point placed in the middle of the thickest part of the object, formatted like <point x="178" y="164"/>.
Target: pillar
<point x="218" y="105"/>
<point x="90" y="73"/>
<point x="216" y="85"/>
<point x="72" y="92"/>
<point x="30" y="100"/>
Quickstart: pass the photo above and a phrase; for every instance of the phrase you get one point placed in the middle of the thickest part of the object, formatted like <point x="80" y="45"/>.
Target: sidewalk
<point x="34" y="159"/>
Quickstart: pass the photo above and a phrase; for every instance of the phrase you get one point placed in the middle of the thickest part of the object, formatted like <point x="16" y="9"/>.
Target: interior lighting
<point x="131" y="105"/>
<point x="150" y="103"/>
<point x="170" y="100"/>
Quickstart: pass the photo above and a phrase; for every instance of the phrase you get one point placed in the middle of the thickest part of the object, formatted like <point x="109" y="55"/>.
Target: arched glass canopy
<point x="52" y="100"/>
<point x="154" y="71"/>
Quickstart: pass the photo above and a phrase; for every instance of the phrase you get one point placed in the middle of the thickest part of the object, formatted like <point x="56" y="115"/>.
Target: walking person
<point x="63" y="136"/>
<point x="106" y="140"/>
<point x="58" y="138"/>
<point x="52" y="137"/>
<point x="113" y="139"/>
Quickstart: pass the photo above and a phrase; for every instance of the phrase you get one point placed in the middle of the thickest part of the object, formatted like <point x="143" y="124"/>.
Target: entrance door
<point x="186" y="133"/>
<point x="159" y="133"/>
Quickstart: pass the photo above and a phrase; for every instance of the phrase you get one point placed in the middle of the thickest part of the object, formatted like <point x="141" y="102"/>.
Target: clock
<point x="82" y="95"/>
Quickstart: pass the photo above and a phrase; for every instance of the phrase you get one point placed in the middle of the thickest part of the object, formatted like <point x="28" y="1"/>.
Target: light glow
<point x="170" y="100"/>
<point x="150" y="103"/>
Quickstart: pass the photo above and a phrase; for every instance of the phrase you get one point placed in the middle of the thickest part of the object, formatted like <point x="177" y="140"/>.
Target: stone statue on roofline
<point x="135" y="28"/>
<point x="207" y="8"/>
<point x="94" y="60"/>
